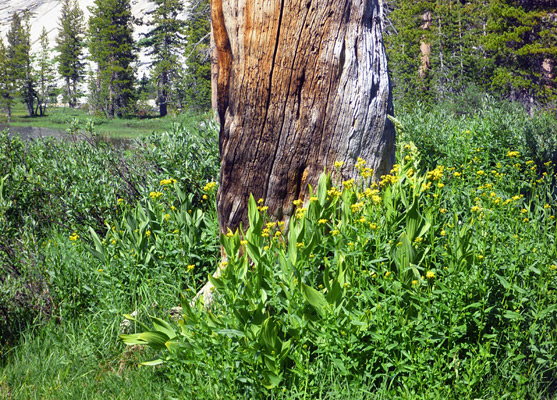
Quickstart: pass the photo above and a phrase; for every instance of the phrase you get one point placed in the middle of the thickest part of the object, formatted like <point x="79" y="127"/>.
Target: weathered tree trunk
<point x="425" y="51"/>
<point x="301" y="84"/>
<point x="163" y="95"/>
<point x="214" y="74"/>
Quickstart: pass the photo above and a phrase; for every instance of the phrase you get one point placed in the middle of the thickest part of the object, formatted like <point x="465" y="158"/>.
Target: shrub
<point x="440" y="282"/>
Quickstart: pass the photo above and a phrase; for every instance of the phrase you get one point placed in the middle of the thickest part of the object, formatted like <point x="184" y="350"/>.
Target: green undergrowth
<point x="438" y="282"/>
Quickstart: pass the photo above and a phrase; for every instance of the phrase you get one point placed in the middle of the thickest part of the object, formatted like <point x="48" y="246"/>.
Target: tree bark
<point x="301" y="84"/>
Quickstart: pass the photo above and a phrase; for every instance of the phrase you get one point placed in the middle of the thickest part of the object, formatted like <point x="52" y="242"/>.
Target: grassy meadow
<point x="438" y="282"/>
<point x="62" y="118"/>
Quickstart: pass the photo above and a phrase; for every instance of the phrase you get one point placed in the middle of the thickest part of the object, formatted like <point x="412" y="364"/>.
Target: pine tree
<point x="165" y="42"/>
<point x="46" y="85"/>
<point x="521" y="37"/>
<point x="70" y="48"/>
<point x="196" y="84"/>
<point x="112" y="48"/>
<point x="7" y="87"/>
<point x="20" y="69"/>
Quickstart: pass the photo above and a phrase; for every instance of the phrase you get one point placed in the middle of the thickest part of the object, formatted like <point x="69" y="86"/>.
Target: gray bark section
<point x="306" y="85"/>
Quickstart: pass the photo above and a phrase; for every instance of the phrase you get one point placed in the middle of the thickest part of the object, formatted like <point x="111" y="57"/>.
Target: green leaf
<point x="163" y="326"/>
<point x="322" y="187"/>
<point x="315" y="298"/>
<point x="155" y="340"/>
<point x="255" y="220"/>
<point x="152" y="363"/>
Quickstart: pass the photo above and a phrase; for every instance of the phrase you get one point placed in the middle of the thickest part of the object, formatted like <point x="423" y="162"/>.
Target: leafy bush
<point x="439" y="283"/>
<point x="51" y="191"/>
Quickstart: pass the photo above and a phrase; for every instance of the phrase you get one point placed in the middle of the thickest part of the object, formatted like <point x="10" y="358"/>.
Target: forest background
<point x="436" y="49"/>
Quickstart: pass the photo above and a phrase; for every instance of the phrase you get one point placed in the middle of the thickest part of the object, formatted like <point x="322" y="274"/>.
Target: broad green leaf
<point x="163" y="326"/>
<point x="315" y="298"/>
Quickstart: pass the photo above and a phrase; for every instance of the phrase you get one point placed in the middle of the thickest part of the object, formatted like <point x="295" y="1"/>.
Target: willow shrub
<point x="432" y="284"/>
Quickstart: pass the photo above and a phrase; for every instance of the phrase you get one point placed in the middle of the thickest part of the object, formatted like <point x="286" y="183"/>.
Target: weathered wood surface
<point x="301" y="84"/>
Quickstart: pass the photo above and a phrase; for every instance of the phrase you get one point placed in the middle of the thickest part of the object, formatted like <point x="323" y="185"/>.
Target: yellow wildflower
<point x="209" y="187"/>
<point x="430" y="275"/>
<point x="348" y="184"/>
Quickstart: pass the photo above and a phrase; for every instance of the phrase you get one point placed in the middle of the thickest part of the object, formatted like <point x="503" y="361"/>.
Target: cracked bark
<point x="300" y="85"/>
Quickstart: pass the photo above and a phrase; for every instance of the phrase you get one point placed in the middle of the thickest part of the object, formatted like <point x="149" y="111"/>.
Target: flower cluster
<point x="168" y="181"/>
<point x="209" y="187"/>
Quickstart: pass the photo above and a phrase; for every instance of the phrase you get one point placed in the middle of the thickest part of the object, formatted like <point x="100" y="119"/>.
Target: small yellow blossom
<point x="322" y="221"/>
<point x="209" y="187"/>
<point x="430" y="275"/>
<point x="335" y="232"/>
<point x="339" y="164"/>
<point x="191" y="267"/>
<point x="148" y="233"/>
<point x="120" y="201"/>
<point x="243" y="242"/>
<point x="313" y="199"/>
<point x="348" y="184"/>
<point x="513" y="154"/>
<point x="297" y="202"/>
<point x="414" y="282"/>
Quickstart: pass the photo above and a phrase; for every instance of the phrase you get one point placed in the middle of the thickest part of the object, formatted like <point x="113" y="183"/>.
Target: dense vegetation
<point x="437" y="283"/>
<point x="441" y="47"/>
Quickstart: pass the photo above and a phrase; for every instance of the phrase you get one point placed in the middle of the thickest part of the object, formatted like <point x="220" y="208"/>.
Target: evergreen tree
<point x="20" y="69"/>
<point x="521" y="37"/>
<point x="195" y="87"/>
<point x="164" y="41"/>
<point x="46" y="85"/>
<point x="70" y="48"/>
<point x="7" y="87"/>
<point x="445" y="46"/>
<point x="112" y="48"/>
